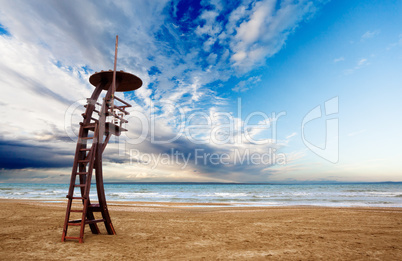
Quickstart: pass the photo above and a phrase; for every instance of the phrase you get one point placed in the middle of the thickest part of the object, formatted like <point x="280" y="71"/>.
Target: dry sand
<point x="32" y="231"/>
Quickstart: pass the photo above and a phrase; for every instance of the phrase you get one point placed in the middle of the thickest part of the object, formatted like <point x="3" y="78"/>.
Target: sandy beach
<point x="31" y="230"/>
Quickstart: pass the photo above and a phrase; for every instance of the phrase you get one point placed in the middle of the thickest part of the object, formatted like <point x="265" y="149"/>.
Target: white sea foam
<point x="251" y="195"/>
<point x="134" y="195"/>
<point x="224" y="195"/>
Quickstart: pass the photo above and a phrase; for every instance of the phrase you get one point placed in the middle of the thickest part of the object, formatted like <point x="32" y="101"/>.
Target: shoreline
<point x="32" y="230"/>
<point x="246" y="205"/>
<point x="372" y="195"/>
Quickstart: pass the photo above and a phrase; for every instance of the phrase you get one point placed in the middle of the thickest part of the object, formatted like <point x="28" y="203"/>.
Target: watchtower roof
<point x="124" y="81"/>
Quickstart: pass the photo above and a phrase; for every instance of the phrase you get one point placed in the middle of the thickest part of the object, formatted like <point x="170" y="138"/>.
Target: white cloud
<point x="362" y="62"/>
<point x="239" y="57"/>
<point x="370" y="34"/>
<point x="263" y="30"/>
<point x="212" y="58"/>
<point x="395" y="44"/>
<point x="340" y="59"/>
<point x="250" y="31"/>
<point x="243" y="86"/>
<point x="291" y="135"/>
<point x="36" y="92"/>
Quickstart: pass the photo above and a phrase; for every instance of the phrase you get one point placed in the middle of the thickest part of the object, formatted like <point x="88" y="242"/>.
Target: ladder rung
<point x="78" y="222"/>
<point x="74" y="224"/>
<point x="74" y="197"/>
<point x="88" y="126"/>
<point x="85" y="149"/>
<point x="121" y="108"/>
<point x="95" y="120"/>
<point x="83" y="161"/>
<point x="79" y="185"/>
<point x="76" y="210"/>
<point x="94" y="221"/>
<point x="87" y="138"/>
<point x="82" y="173"/>
<point x="122" y="101"/>
<point x="94" y="207"/>
<point x="75" y="238"/>
<point x="86" y="106"/>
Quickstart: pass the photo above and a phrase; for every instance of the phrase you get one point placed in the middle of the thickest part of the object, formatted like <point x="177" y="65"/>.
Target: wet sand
<point x="31" y="230"/>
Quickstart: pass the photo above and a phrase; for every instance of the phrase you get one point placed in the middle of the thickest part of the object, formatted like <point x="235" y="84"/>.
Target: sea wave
<point x="224" y="195"/>
<point x="133" y="195"/>
<point x="317" y="195"/>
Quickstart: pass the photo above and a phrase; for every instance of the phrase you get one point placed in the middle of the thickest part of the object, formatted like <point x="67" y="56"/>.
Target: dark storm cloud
<point x="20" y="155"/>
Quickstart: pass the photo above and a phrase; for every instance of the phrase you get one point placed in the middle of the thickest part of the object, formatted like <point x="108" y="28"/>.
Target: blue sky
<point x="237" y="91"/>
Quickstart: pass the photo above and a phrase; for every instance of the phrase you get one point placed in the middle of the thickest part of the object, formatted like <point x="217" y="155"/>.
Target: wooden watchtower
<point x="101" y="120"/>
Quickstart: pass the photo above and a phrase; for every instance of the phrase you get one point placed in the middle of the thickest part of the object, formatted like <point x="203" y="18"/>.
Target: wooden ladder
<point x="87" y="159"/>
<point x="83" y="168"/>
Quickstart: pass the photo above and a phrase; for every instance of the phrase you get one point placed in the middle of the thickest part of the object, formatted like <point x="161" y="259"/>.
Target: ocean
<point x="332" y="195"/>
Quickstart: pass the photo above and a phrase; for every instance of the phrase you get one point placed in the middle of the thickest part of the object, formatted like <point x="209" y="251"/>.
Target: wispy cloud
<point x="291" y="135"/>
<point x="395" y="44"/>
<point x="263" y="30"/>
<point x="243" y="86"/>
<point x="340" y="59"/>
<point x="370" y="34"/>
<point x="359" y="64"/>
<point x="362" y="62"/>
